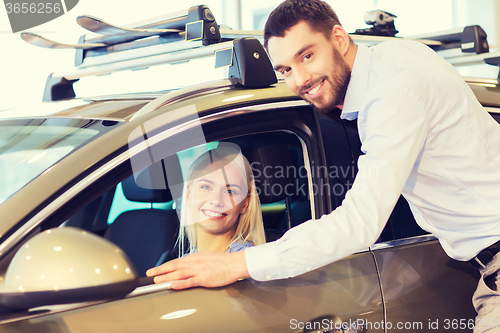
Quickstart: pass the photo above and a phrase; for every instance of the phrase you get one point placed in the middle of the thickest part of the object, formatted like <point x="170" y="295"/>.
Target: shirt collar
<point x="358" y="85"/>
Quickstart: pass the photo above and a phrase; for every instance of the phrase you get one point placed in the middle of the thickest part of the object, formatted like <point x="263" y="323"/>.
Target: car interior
<point x="146" y="235"/>
<point x="144" y="222"/>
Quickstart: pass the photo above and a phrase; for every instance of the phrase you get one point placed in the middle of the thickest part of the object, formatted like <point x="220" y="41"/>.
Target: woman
<point x="221" y="208"/>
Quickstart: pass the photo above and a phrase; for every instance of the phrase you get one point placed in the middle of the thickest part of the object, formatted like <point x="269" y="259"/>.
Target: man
<point x="420" y="126"/>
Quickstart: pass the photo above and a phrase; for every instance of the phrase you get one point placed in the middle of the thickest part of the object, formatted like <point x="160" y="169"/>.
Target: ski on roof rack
<point x="466" y="46"/>
<point x="455" y="42"/>
<point x="382" y="24"/>
<point x="94" y="24"/>
<point x="196" y="23"/>
<point x="40" y="41"/>
<point x="246" y="59"/>
<point x="110" y="44"/>
<point x="194" y="33"/>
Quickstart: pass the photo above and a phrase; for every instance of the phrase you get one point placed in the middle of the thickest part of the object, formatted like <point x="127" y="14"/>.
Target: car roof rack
<point x="172" y="38"/>
<point x="194" y="33"/>
<point x="382" y="24"/>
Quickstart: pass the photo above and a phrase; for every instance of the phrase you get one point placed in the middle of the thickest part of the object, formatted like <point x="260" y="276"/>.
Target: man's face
<point x="312" y="66"/>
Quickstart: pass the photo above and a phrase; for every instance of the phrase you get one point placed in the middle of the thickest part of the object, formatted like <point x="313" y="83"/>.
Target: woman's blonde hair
<point x="250" y="226"/>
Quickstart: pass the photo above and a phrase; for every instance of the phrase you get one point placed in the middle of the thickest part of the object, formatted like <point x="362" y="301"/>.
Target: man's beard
<point x="339" y="81"/>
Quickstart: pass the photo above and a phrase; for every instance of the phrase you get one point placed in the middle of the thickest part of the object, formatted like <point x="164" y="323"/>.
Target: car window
<point x="281" y="144"/>
<point x="28" y="147"/>
<point x="141" y="213"/>
<point x="121" y="203"/>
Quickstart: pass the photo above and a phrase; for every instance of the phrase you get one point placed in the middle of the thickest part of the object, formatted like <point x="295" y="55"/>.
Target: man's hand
<point x="204" y="269"/>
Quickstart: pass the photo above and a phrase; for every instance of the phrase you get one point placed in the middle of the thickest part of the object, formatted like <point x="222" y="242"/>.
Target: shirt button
<point x="308" y="269"/>
<point x="269" y="277"/>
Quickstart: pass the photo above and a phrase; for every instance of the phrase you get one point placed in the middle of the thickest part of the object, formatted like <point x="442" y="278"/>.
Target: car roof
<point x="208" y="97"/>
<point x="123" y="107"/>
<point x="110" y="107"/>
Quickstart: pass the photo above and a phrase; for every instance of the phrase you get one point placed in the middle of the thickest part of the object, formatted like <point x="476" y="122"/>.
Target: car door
<point x="423" y="288"/>
<point x="344" y="294"/>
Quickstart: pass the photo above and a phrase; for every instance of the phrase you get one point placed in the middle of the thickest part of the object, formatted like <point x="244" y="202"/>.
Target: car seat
<point x="147" y="236"/>
<point x="267" y="154"/>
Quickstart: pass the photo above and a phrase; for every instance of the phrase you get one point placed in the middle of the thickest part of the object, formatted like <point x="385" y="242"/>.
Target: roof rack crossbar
<point x="58" y="88"/>
<point x="196" y="34"/>
<point x="198" y="23"/>
<point x="494" y="60"/>
<point x="248" y="65"/>
<point x="470" y="39"/>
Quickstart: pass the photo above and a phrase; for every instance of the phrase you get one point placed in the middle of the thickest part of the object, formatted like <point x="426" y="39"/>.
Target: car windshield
<point x="28" y="147"/>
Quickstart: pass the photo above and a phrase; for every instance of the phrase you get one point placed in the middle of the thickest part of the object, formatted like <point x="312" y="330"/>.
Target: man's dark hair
<point x="318" y="14"/>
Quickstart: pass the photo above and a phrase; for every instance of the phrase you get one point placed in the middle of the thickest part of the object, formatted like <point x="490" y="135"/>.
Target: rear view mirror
<point x="66" y="265"/>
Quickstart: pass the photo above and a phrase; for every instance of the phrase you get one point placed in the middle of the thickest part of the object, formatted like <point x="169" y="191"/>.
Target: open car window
<point x="141" y="214"/>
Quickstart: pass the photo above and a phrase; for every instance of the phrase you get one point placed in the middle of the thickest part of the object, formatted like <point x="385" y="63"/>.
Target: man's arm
<point x="394" y="130"/>
<point x="203" y="269"/>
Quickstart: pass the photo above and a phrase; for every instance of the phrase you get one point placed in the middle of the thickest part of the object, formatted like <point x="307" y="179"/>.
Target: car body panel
<point x="351" y="285"/>
<point x="348" y="289"/>
<point x="486" y="91"/>
<point x="110" y="110"/>
<point x="418" y="291"/>
<point x="409" y="280"/>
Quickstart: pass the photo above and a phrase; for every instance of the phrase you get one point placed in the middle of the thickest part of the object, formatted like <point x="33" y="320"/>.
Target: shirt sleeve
<point x="392" y="127"/>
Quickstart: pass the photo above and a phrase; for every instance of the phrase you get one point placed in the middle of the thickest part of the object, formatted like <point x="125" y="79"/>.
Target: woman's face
<point x="217" y="198"/>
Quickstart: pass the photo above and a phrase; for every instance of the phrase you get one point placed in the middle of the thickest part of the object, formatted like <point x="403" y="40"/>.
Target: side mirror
<point x="66" y="265"/>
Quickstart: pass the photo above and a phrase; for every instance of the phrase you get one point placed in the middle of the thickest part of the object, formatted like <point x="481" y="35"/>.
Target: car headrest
<point x="269" y="159"/>
<point x="150" y="184"/>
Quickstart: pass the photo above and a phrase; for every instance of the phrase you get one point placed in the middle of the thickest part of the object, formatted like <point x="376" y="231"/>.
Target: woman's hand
<point x="203" y="269"/>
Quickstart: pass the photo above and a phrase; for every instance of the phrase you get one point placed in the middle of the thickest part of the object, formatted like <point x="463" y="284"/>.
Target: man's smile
<point x="315" y="91"/>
